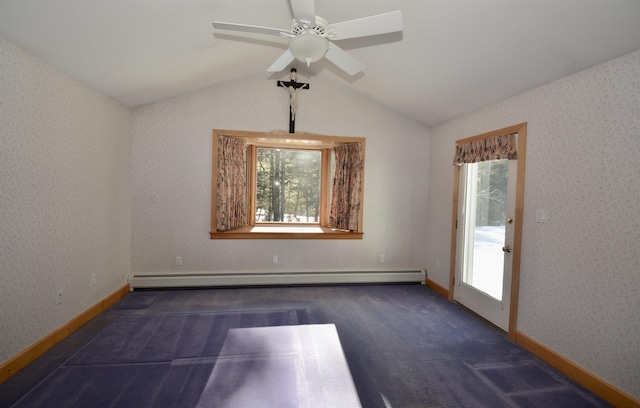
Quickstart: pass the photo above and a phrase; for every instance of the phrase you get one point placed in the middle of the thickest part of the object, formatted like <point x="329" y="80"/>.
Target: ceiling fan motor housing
<point x="310" y="42"/>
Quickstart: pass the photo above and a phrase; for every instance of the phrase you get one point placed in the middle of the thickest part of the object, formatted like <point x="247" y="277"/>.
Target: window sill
<point x="286" y="232"/>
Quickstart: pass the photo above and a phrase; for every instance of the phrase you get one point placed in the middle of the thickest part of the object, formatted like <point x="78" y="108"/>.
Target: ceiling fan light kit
<point x="308" y="47"/>
<point x="310" y="35"/>
<point x="309" y="43"/>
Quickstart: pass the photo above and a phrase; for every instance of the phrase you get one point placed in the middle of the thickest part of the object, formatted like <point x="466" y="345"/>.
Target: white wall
<point x="580" y="272"/>
<point x="65" y="201"/>
<point x="171" y="156"/>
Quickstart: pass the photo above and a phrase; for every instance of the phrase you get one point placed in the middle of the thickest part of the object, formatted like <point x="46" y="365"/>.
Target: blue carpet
<point x="406" y="347"/>
<point x="553" y="399"/>
<point x="136" y="301"/>
<point x="157" y="338"/>
<point x="135" y="385"/>
<point x="301" y="366"/>
<point x="525" y="383"/>
<point x="148" y="360"/>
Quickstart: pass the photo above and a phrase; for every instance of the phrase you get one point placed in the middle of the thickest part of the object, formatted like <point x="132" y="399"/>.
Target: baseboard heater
<point x="278" y="278"/>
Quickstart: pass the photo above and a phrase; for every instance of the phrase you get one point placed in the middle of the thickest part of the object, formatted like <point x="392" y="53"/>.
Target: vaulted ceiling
<point x="452" y="57"/>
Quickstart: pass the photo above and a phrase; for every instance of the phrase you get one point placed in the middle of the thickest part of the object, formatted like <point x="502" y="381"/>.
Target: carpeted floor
<point x="405" y="346"/>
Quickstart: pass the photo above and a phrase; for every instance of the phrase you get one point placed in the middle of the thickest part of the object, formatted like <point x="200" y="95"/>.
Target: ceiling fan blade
<point x="282" y="62"/>
<point x="372" y="25"/>
<point x="219" y="25"/>
<point x="343" y="60"/>
<point x="304" y="10"/>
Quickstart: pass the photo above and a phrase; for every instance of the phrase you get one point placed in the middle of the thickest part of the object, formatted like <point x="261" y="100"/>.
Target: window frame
<point x="284" y="230"/>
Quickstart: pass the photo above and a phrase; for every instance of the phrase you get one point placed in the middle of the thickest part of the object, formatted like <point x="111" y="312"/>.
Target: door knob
<point x="506" y="248"/>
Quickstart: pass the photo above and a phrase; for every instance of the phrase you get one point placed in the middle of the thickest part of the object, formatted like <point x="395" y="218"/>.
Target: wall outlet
<point x="381" y="259"/>
<point x="59" y="297"/>
<point x="178" y="261"/>
<point x="93" y="280"/>
<point x="274" y="259"/>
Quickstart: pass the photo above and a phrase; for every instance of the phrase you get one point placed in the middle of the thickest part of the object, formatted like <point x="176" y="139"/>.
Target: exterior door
<point x="487" y="230"/>
<point x="485" y="239"/>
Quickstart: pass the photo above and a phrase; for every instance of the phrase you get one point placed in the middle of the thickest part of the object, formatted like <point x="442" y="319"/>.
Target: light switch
<point x="542" y="216"/>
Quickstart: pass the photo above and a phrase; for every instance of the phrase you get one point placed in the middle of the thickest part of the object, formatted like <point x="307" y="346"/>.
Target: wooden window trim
<point x="306" y="141"/>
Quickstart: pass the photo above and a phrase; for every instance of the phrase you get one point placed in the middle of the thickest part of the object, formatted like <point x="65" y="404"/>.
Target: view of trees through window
<point x="288" y="185"/>
<point x="492" y="192"/>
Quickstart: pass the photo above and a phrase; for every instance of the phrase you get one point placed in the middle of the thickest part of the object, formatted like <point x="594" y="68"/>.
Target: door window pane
<point x="485" y="218"/>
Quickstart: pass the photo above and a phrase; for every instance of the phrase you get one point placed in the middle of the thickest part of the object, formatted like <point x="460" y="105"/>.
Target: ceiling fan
<point x="311" y="37"/>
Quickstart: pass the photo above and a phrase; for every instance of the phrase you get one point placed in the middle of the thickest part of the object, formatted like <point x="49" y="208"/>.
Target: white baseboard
<point x="276" y="278"/>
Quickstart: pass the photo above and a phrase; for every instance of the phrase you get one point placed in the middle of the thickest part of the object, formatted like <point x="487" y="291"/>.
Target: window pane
<point x="288" y="185"/>
<point x="484" y="225"/>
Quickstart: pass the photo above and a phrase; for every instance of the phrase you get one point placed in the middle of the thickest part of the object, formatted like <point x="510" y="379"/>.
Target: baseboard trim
<point x="440" y="290"/>
<point x="597" y="385"/>
<point x="27" y="356"/>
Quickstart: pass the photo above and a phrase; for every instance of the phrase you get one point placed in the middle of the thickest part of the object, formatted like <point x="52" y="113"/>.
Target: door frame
<point x="521" y="130"/>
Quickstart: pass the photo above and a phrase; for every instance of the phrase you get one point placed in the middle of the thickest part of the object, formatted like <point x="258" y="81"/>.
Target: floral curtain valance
<point x="490" y="148"/>
<point x="231" y="210"/>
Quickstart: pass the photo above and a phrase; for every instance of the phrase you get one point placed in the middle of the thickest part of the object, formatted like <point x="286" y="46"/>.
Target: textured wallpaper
<point x="65" y="201"/>
<point x="172" y="144"/>
<point x="579" y="280"/>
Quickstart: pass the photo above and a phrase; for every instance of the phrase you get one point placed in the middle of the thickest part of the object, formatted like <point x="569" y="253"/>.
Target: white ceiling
<point x="453" y="56"/>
